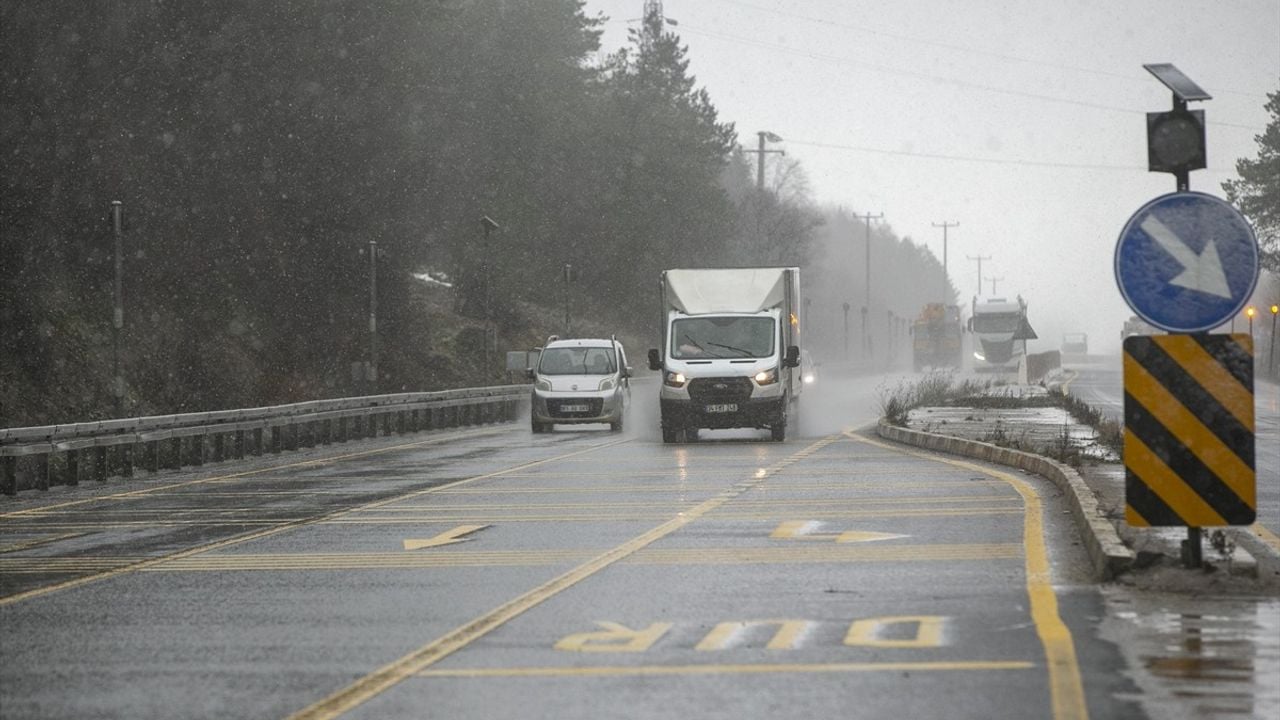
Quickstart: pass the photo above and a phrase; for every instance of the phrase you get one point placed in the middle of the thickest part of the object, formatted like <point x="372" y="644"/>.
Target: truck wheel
<point x="778" y="431"/>
<point x="669" y="435"/>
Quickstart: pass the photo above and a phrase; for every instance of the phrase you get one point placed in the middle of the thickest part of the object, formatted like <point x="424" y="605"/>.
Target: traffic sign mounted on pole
<point x="1189" y="430"/>
<point x="1187" y="262"/>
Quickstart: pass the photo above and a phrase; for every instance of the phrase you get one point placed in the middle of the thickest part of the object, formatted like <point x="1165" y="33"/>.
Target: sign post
<point x="1186" y="263"/>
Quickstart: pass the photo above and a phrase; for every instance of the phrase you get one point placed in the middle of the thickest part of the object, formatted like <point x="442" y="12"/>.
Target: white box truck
<point x="730" y="353"/>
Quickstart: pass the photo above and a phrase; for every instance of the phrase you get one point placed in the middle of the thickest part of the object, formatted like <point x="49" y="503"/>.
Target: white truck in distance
<point x="730" y="350"/>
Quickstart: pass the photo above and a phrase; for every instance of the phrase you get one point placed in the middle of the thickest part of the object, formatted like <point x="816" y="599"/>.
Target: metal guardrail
<point x="38" y="457"/>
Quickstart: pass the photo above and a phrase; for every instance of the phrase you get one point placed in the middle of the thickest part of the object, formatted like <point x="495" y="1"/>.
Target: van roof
<point x="581" y="342"/>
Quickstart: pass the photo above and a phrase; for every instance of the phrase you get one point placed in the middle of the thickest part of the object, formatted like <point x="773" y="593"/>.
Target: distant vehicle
<point x="935" y="337"/>
<point x="1137" y="326"/>
<point x="580" y="381"/>
<point x="730" y="350"/>
<point x="808" y="368"/>
<point x="1075" y="344"/>
<point x="1000" y="333"/>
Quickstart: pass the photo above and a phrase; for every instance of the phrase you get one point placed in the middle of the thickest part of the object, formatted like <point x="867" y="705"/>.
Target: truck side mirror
<point x="627" y="372"/>
<point x="529" y="373"/>
<point x="793" y="356"/>
<point x="655" y="360"/>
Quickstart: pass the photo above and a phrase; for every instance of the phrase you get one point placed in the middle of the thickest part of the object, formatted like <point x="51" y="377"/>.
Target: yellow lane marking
<point x="281" y="528"/>
<point x="447" y="537"/>
<point x="1066" y="386"/>
<point x="649" y="556"/>
<point x="742" y="669"/>
<point x="306" y="463"/>
<point x="787" y="636"/>
<point x="397" y="671"/>
<point x="614" y="638"/>
<point x="805" y="530"/>
<point x="862" y="482"/>
<point x="772" y="502"/>
<point x="1065" y="687"/>
<point x="638" y="517"/>
<point x="37" y="542"/>
<point x="1266" y="536"/>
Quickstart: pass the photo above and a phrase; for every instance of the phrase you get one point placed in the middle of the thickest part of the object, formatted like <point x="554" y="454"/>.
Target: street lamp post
<point x="117" y="310"/>
<point x="866" y="341"/>
<point x="1271" y="353"/>
<point x="1249" y="313"/>
<point x="868" y="217"/>
<point x="846" y="331"/>
<point x="489" y="226"/>
<point x="764" y="135"/>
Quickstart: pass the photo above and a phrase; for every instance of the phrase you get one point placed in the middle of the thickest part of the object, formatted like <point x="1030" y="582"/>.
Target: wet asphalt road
<point x="492" y="573"/>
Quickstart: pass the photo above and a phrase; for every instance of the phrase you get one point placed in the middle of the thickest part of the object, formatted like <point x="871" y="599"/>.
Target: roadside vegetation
<point x="975" y="413"/>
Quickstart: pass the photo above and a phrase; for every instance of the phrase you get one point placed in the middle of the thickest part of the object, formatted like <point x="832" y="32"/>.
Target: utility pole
<point x="994" y="280"/>
<point x="946" y="284"/>
<point x="373" y="312"/>
<point x="761" y="152"/>
<point x="568" y="278"/>
<point x="980" y="258"/>
<point x="866" y="347"/>
<point x="489" y="226"/>
<point x="117" y="303"/>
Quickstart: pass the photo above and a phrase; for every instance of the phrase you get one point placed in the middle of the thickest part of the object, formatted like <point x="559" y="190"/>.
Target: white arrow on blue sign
<point x="1187" y="262"/>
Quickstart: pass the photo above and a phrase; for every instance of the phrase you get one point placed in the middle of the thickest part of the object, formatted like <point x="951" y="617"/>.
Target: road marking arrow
<point x="804" y="530"/>
<point x="1201" y="272"/>
<point x="445" y="538"/>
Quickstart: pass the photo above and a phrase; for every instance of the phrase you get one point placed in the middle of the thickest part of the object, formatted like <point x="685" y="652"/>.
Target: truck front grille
<point x="720" y="390"/>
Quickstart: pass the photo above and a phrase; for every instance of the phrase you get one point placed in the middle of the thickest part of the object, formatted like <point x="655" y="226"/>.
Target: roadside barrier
<point x="38" y="457"/>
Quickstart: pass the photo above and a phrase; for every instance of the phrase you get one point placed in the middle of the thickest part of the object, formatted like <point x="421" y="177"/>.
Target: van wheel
<point x="538" y="427"/>
<point x="616" y="426"/>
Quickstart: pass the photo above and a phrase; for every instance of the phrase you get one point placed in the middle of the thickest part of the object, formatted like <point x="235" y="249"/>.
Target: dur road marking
<point x="741" y="669"/>
<point x="804" y="530"/>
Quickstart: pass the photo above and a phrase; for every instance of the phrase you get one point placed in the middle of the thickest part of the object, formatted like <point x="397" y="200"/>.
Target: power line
<point x="986" y="160"/>
<point x="963" y="48"/>
<point x="933" y="78"/>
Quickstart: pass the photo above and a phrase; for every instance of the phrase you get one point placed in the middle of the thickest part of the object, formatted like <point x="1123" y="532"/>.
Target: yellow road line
<point x="1065" y="687"/>
<point x="319" y="461"/>
<point x="772" y="502"/>
<point x="1066" y="386"/>
<point x="397" y="671"/>
<point x="1266" y="536"/>
<point x="740" y="669"/>
<point x="782" y="514"/>
<point x="290" y="525"/>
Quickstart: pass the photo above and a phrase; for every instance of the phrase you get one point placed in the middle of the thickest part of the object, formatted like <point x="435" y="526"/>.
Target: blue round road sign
<point x="1187" y="262"/>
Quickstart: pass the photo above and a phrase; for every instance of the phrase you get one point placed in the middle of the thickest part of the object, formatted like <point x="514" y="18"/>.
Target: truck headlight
<point x="674" y="379"/>
<point x="978" y="356"/>
<point x="767" y="377"/>
<point x="542" y="384"/>
<point x="607" y="384"/>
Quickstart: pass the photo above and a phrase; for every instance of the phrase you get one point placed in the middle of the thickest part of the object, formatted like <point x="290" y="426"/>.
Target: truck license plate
<point x="726" y="407"/>
<point x="574" y="408"/>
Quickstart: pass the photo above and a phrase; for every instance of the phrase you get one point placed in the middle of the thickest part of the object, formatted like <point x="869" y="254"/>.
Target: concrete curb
<point x="1107" y="552"/>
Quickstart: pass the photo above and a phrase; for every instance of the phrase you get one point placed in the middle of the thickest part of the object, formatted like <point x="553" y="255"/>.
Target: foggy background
<point x="1024" y="122"/>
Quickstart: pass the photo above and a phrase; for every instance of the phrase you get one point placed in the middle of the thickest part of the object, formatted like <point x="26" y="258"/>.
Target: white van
<point x="580" y="381"/>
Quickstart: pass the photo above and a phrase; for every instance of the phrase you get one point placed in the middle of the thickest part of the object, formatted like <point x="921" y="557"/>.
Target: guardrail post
<point x="100" y="463"/>
<point x="239" y="444"/>
<point x="219" y="447"/>
<point x="152" y="450"/>
<point x="73" y="468"/>
<point x="125" y="460"/>
<point x="275" y="440"/>
<point x="42" y="471"/>
<point x="198" y="443"/>
<point x="257" y="441"/>
<point x="9" y="476"/>
<point x="175" y="455"/>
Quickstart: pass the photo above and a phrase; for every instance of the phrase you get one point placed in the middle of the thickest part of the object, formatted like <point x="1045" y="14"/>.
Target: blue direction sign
<point x="1187" y="262"/>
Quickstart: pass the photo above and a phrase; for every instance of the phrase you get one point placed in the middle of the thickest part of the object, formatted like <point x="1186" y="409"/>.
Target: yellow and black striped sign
<point x="1188" y="430"/>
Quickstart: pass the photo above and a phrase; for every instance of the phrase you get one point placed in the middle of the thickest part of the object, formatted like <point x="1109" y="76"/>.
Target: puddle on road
<point x="1199" y="656"/>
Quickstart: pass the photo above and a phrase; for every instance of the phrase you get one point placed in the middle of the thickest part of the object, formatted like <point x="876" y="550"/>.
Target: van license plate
<point x="727" y="407"/>
<point x="574" y="408"/>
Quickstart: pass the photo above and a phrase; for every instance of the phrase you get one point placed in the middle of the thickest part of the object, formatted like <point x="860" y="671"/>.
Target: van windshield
<point x="578" y="361"/>
<point x="722" y="337"/>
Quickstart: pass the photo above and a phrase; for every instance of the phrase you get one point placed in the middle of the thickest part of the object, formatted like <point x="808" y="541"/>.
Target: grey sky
<point x="1021" y="120"/>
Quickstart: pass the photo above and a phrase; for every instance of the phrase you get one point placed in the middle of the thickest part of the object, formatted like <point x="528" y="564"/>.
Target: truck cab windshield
<point x="1003" y="322"/>
<point x="722" y="337"/>
<point x="577" y="361"/>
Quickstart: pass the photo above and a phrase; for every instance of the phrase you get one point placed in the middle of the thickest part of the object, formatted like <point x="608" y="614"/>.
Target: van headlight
<point x="542" y="384"/>
<point x="608" y="383"/>
<point x="674" y="379"/>
<point x="767" y="377"/>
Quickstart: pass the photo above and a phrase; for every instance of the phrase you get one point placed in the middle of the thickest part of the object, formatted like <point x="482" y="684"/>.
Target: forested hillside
<point x="258" y="149"/>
